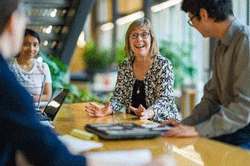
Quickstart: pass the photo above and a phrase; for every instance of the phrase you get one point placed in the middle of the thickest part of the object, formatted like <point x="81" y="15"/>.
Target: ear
<point x="13" y="33"/>
<point x="7" y="39"/>
<point x="204" y="14"/>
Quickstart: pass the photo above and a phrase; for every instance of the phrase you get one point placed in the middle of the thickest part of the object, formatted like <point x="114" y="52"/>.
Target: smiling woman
<point x="140" y="31"/>
<point x="30" y="48"/>
<point x="30" y="72"/>
<point x="145" y="81"/>
<point x="140" y="42"/>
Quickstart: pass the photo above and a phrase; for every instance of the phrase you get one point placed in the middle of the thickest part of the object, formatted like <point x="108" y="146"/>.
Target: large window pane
<point x="248" y="8"/>
<point x="241" y="10"/>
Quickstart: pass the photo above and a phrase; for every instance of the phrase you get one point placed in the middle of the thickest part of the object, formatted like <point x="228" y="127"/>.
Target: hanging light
<point x="108" y="26"/>
<point x="130" y="18"/>
<point x="164" y="5"/>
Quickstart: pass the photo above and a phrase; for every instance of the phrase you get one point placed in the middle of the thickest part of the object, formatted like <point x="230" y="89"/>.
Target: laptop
<point x="51" y="109"/>
<point x="118" y="131"/>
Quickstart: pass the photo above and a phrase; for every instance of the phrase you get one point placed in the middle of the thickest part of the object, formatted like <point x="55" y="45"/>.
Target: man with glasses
<point x="224" y="111"/>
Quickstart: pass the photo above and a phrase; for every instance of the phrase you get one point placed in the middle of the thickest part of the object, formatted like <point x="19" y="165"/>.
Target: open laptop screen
<point x="55" y="103"/>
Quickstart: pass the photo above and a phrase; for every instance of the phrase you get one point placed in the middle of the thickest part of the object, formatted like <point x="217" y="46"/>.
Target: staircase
<point x="59" y="23"/>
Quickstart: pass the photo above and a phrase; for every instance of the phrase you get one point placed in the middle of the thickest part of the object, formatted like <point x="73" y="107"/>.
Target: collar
<point x="229" y="36"/>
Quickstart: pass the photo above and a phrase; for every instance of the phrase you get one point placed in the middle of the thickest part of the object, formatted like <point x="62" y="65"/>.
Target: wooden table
<point x="194" y="151"/>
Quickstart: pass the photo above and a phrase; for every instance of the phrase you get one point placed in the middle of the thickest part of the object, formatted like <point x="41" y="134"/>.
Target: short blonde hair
<point x="143" y="22"/>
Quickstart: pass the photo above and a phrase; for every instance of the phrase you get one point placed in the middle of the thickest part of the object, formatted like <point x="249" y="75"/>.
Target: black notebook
<point x="117" y="131"/>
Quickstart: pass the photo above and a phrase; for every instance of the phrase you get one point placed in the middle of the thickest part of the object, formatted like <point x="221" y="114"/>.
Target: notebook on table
<point x="117" y="131"/>
<point x="50" y="111"/>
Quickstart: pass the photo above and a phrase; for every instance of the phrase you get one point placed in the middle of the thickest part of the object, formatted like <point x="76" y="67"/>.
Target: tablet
<point x="119" y="131"/>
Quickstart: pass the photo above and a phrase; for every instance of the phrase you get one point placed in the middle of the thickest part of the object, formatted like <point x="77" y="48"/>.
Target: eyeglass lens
<point x="143" y="35"/>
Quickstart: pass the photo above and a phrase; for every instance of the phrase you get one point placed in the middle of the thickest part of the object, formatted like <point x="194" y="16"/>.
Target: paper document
<point x="76" y="145"/>
<point x="121" y="158"/>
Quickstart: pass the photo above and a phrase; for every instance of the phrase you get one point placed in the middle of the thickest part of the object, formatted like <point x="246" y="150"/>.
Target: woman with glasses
<point x="145" y="81"/>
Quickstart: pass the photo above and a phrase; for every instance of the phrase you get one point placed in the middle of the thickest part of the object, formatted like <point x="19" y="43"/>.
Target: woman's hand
<point x="143" y="113"/>
<point x="95" y="110"/>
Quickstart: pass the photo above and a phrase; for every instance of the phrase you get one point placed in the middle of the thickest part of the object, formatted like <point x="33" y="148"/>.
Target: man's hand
<point x="95" y="110"/>
<point x="179" y="130"/>
<point x="143" y="113"/>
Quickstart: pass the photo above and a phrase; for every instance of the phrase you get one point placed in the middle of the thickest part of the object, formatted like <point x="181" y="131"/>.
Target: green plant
<point x="87" y="96"/>
<point x="96" y="58"/>
<point x="180" y="57"/>
<point x="120" y="53"/>
<point x="61" y="78"/>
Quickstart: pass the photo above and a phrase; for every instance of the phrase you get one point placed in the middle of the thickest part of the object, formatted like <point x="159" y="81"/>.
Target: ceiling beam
<point x="75" y="30"/>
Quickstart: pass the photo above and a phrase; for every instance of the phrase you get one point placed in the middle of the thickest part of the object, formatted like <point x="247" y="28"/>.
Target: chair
<point x="187" y="99"/>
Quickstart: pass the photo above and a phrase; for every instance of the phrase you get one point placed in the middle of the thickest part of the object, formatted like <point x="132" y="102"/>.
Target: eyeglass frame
<point x="140" y="34"/>
<point x="190" y="21"/>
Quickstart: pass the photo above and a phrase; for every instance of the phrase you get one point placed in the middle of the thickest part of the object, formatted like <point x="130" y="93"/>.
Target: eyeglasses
<point x="144" y="35"/>
<point x="190" y="21"/>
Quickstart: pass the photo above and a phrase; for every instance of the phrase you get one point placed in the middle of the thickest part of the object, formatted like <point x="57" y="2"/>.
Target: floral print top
<point x="158" y="83"/>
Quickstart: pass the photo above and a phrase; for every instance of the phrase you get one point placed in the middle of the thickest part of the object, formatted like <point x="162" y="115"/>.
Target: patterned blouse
<point x="158" y="88"/>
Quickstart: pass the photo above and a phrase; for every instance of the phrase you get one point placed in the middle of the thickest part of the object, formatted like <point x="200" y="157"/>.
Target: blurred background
<point x="83" y="43"/>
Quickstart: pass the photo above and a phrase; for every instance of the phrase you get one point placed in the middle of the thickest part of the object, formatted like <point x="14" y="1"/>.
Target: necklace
<point x="138" y="86"/>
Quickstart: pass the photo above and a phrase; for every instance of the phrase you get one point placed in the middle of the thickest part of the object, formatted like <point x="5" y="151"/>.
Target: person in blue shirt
<point x="19" y="128"/>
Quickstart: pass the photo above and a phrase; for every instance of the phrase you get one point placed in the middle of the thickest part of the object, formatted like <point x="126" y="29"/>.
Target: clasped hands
<point x="96" y="110"/>
<point x="142" y="112"/>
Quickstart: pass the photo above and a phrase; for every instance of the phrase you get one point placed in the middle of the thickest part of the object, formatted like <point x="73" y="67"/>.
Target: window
<point x="241" y="10"/>
<point x="248" y="8"/>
